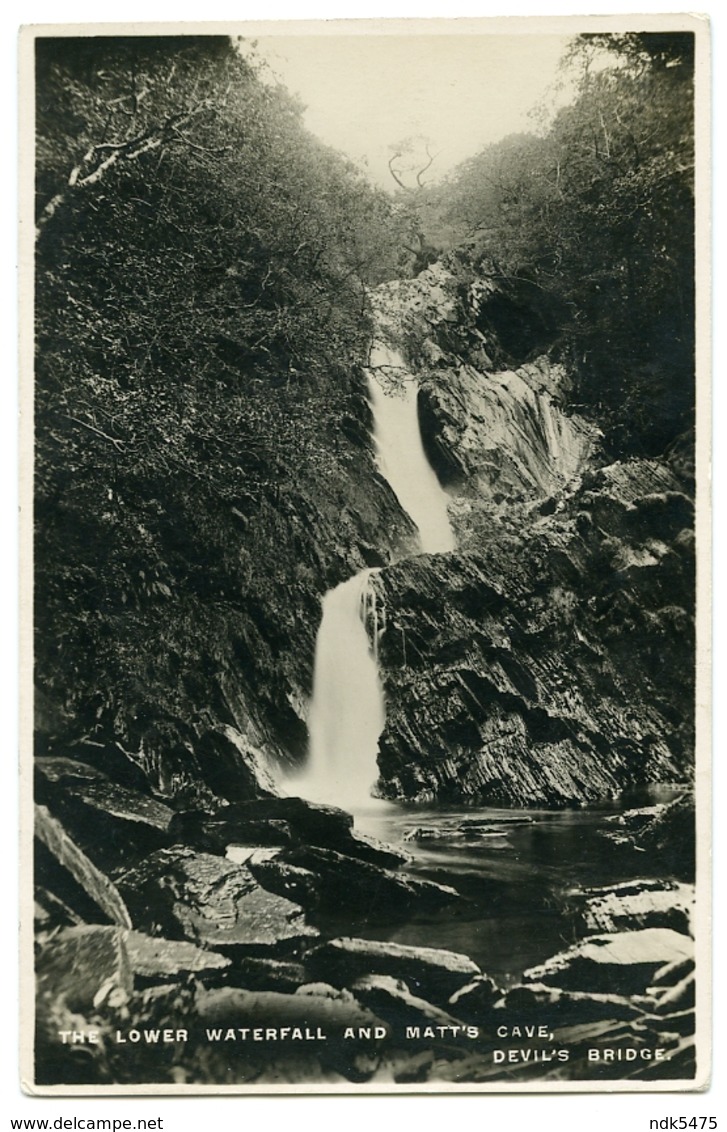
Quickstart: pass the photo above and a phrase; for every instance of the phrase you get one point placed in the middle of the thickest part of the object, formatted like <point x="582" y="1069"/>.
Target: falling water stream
<point x="401" y="457"/>
<point x="346" y="714"/>
<point x="347" y="710"/>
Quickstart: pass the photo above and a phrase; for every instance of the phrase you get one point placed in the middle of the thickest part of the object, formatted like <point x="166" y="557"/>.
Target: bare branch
<point x="126" y="151"/>
<point x="422" y="171"/>
<point x="391" y="161"/>
<point x="118" y="444"/>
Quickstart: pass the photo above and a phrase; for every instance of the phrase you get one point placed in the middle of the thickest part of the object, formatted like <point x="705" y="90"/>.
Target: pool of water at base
<point x="514" y="870"/>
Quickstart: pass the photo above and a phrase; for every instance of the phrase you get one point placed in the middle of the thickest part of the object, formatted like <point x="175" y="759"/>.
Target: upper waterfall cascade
<point x="400" y="452"/>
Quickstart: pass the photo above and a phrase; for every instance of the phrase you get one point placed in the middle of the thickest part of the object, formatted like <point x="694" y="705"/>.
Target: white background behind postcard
<point x="596" y="1113"/>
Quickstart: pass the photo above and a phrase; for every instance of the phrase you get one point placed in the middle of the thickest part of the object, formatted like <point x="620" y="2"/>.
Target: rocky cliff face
<point x="544" y="662"/>
<point x="503" y="434"/>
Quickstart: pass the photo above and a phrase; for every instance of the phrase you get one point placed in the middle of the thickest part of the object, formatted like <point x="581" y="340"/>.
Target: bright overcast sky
<point x="364" y="93"/>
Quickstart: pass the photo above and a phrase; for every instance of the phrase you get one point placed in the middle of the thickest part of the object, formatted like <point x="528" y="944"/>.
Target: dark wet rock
<point x="110" y="822"/>
<point x="213" y="833"/>
<point x="666" y="832"/>
<point x="203" y="898"/>
<point x="345" y="883"/>
<point x="232" y="764"/>
<point x="294" y="883"/>
<point x="570" y="1007"/>
<point x="50" y="912"/>
<point x="73" y="879"/>
<point x="258" y="972"/>
<point x="670" y="836"/>
<point x="634" y="904"/>
<point x="391" y="999"/>
<point x="232" y="1007"/>
<point x="623" y="963"/>
<point x="431" y="974"/>
<point x="475" y="999"/>
<point x="671" y="973"/>
<point x="82" y="966"/>
<point x="281" y="821"/>
<point x="160" y="960"/>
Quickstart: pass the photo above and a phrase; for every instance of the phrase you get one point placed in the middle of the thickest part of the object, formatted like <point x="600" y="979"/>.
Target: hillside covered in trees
<point x="202" y="321"/>
<point x="224" y="308"/>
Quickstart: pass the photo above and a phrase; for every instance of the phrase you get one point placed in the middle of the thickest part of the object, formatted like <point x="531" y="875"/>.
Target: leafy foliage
<point x="201" y="272"/>
<point x="598" y="212"/>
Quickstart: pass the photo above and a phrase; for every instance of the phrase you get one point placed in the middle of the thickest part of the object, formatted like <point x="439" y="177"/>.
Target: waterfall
<point x="346" y="714"/>
<point x="347" y="711"/>
<point x="401" y="456"/>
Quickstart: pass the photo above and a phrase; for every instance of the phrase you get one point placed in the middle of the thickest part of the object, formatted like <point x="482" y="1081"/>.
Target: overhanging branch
<point x="116" y="153"/>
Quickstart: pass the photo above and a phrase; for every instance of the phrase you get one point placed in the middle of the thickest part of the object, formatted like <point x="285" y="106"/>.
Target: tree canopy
<point x="598" y="210"/>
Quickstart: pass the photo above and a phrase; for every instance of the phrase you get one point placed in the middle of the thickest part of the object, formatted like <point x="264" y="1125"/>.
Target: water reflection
<point x="513" y="868"/>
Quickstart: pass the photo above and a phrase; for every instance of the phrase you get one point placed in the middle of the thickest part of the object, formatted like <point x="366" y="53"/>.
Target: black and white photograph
<point x="366" y="526"/>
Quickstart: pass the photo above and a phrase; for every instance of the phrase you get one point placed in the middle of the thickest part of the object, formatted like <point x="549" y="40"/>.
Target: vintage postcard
<point x="366" y="538"/>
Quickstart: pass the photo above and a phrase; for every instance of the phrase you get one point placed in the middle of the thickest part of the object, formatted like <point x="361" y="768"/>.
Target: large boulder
<point x="77" y="888"/>
<point x="281" y="821"/>
<point x="622" y="963"/>
<point x="432" y="974"/>
<point x="78" y="961"/>
<point x="112" y="823"/>
<point x="166" y="960"/>
<point x="339" y="882"/>
<point x="634" y="904"/>
<point x="203" y="898"/>
<point x="391" y="999"/>
<point x="569" y="1007"/>
<point x="666" y="832"/>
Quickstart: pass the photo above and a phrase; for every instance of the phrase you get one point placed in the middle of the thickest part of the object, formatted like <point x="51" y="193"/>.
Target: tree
<point x="411" y="158"/>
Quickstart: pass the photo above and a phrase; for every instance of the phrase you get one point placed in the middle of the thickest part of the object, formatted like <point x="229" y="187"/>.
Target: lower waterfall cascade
<point x="347" y="709"/>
